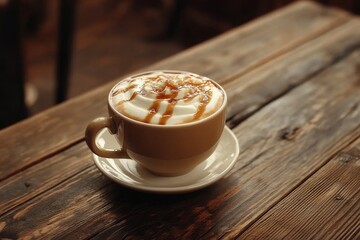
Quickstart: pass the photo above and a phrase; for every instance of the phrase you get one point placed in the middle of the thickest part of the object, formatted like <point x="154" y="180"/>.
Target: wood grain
<point x="290" y="139"/>
<point x="326" y="206"/>
<point x="63" y="126"/>
<point x="43" y="177"/>
<point x="301" y="130"/>
<point x="250" y="92"/>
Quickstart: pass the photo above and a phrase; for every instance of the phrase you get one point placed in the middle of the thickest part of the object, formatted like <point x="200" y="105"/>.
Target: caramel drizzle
<point x="204" y="101"/>
<point x="162" y="96"/>
<point x="120" y="103"/>
<point x="168" y="112"/>
<point x="193" y="90"/>
<point x="118" y="91"/>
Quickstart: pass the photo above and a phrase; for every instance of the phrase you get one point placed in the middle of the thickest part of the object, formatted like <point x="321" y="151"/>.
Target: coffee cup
<point x="166" y="121"/>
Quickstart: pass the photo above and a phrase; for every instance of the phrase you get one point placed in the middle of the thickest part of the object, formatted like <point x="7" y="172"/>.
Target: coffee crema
<point x="167" y="98"/>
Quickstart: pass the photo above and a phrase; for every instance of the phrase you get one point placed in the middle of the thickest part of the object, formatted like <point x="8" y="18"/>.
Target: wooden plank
<point x="43" y="177"/>
<point x="278" y="146"/>
<point x="326" y="206"/>
<point x="250" y="92"/>
<point x="47" y="133"/>
<point x="64" y="125"/>
<point x="286" y="72"/>
<point x="289" y="140"/>
<point x="80" y="190"/>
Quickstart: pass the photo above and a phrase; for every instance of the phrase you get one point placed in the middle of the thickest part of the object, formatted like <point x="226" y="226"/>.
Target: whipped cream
<point x="167" y="98"/>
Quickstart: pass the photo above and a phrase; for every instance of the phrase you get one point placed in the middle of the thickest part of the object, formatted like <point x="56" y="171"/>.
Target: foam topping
<point x="167" y="98"/>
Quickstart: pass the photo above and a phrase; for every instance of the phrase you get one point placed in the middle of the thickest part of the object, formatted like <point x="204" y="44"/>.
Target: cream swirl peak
<point x="167" y="98"/>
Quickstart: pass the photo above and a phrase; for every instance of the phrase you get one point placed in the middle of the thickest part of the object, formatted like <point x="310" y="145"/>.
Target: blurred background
<point x="68" y="47"/>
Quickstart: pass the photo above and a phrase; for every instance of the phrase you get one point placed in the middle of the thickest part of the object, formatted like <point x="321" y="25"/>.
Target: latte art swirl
<point x="167" y="98"/>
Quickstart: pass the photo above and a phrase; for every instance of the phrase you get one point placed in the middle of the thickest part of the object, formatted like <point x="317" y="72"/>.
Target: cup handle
<point x="92" y="131"/>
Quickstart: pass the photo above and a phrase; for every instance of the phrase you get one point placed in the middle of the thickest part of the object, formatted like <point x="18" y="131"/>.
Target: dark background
<point x="114" y="37"/>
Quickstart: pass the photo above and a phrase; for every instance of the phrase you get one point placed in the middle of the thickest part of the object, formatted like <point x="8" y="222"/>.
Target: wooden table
<point x="293" y="81"/>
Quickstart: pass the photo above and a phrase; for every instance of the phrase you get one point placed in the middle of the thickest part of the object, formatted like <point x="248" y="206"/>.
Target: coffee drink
<point x="166" y="98"/>
<point x="166" y="121"/>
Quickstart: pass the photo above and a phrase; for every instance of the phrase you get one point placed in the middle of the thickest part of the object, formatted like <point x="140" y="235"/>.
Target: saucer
<point x="130" y="174"/>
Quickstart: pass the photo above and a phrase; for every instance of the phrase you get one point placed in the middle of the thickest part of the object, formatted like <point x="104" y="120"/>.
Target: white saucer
<point x="130" y="174"/>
